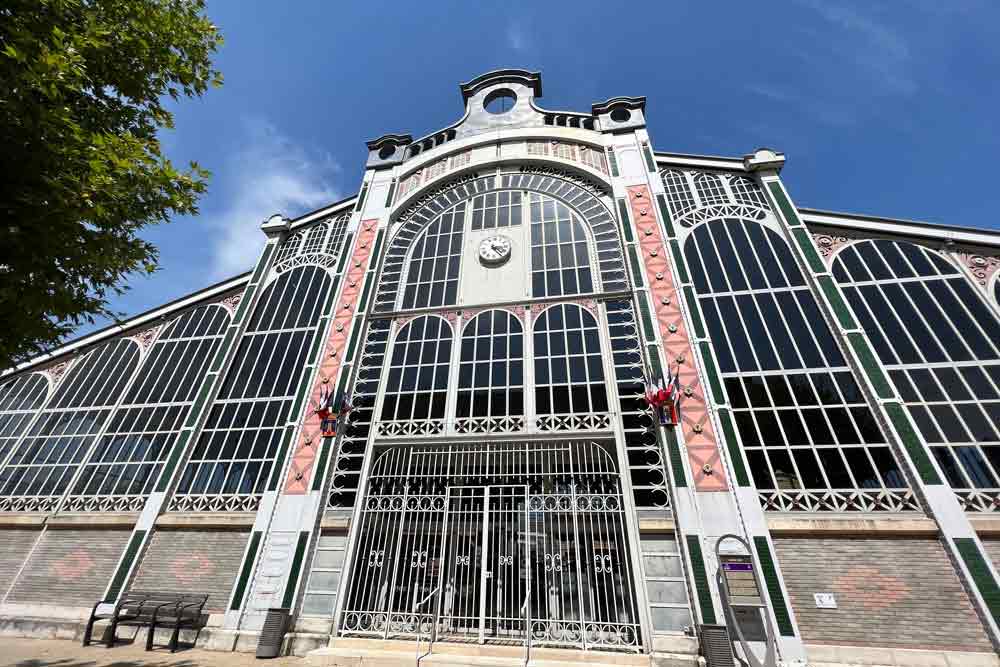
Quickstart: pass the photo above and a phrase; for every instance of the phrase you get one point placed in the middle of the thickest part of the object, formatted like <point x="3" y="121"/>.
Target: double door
<point x="485" y="565"/>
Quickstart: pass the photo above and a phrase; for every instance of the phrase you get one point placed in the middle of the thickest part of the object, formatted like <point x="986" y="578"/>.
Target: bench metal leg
<point x="110" y="641"/>
<point x="149" y="637"/>
<point x="174" y="637"/>
<point x="88" y="632"/>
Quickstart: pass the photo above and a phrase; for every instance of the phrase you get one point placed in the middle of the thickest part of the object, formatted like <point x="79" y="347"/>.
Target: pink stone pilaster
<point x="699" y="435"/>
<point x="300" y="471"/>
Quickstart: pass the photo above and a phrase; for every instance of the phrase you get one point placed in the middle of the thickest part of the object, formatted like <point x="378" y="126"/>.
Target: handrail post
<point x="525" y="611"/>
<point x="420" y="628"/>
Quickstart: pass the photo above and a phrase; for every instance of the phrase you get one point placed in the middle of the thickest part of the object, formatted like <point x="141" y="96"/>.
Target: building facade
<point x="423" y="414"/>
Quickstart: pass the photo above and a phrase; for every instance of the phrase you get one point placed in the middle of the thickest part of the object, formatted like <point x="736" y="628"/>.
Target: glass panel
<point x="766" y="337"/>
<point x="921" y="312"/>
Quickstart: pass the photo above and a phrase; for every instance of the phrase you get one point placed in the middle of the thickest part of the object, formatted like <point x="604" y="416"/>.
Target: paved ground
<point x="60" y="653"/>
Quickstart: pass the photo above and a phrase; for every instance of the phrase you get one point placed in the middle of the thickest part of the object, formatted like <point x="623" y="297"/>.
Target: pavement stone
<point x="18" y="652"/>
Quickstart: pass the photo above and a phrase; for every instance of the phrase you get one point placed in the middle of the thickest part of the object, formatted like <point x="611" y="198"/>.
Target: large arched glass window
<point x="432" y="278"/>
<point x="491" y="367"/>
<point x="560" y="261"/>
<point x="417" y="388"/>
<point x="238" y="447"/>
<point x="130" y="454"/>
<point x="940" y="342"/>
<point x="801" y="416"/>
<point x="19" y="399"/>
<point x="45" y="461"/>
<point x="569" y="376"/>
<point x="560" y="230"/>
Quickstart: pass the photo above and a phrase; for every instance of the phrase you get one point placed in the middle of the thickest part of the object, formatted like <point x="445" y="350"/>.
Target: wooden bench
<point x="153" y="609"/>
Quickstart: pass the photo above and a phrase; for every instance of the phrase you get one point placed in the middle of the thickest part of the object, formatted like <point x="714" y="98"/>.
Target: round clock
<point x="494" y="250"/>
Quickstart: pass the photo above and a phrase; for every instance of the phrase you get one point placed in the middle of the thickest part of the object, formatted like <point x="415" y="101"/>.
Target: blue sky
<point x="887" y="108"/>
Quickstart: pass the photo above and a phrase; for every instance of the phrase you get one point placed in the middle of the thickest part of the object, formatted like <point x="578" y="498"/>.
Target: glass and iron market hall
<point x="424" y="412"/>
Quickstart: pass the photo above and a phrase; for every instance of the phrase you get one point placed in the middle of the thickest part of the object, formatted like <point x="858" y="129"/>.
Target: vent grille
<point x="716" y="646"/>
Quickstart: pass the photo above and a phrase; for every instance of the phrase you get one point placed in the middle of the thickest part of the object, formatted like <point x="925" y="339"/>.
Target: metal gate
<point x="494" y="543"/>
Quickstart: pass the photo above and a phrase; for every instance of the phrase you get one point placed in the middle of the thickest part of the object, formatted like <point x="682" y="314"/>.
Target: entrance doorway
<point x="494" y="543"/>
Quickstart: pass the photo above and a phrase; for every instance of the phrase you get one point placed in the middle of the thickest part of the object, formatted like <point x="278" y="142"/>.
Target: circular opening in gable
<point x="386" y="152"/>
<point x="500" y="101"/>
<point x="621" y="115"/>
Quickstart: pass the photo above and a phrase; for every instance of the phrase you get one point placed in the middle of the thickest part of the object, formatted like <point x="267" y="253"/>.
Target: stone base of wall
<point x="899" y="592"/>
<point x="46" y="622"/>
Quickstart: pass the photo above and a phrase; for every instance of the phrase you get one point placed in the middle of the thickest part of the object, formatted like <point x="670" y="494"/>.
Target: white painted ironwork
<point x="239" y="502"/>
<point x="845" y="500"/>
<point x="979" y="500"/>
<point x="489" y="525"/>
<point x="595" y="421"/>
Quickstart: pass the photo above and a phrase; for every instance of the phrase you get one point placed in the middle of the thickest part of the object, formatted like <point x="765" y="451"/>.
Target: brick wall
<point x="70" y="568"/>
<point x="992" y="546"/>
<point x="16" y="543"/>
<point x="193" y="561"/>
<point x="898" y="592"/>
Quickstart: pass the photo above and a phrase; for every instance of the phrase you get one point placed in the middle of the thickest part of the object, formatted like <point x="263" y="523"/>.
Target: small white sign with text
<point x="825" y="600"/>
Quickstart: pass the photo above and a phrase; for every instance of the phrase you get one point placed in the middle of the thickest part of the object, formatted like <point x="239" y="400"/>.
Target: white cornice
<point x="336" y="207"/>
<point x="912" y="228"/>
<point x="700" y="161"/>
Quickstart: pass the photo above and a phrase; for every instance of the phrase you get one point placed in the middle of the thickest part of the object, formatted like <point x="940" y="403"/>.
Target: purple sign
<point x="737" y="567"/>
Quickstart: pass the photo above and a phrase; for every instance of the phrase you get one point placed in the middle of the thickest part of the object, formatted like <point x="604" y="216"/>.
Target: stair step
<point x="354" y="652"/>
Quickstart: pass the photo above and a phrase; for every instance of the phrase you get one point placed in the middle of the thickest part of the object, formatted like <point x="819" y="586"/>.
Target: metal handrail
<point x="527" y="627"/>
<point x="420" y="626"/>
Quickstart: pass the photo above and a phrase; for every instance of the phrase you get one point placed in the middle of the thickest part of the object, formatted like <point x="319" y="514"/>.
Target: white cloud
<point x="824" y="110"/>
<point x="517" y="39"/>
<point x="872" y="47"/>
<point x="269" y="174"/>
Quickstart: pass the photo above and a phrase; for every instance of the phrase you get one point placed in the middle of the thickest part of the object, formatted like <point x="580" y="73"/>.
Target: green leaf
<point x="85" y="84"/>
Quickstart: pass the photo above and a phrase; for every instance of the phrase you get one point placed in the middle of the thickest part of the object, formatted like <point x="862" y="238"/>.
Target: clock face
<point x="494" y="250"/>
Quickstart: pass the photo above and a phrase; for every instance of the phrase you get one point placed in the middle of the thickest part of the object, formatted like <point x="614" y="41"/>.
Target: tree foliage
<point x="85" y="87"/>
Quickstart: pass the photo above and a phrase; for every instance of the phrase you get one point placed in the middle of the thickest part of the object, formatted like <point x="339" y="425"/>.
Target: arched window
<point x="801" y="416"/>
<point x="130" y="454"/>
<point x="432" y="278"/>
<point x="560" y="261"/>
<point x="417" y="387"/>
<point x="314" y="238"/>
<point x="747" y="192"/>
<point x="19" y="399"/>
<point x="338" y="228"/>
<point x="940" y="342"/>
<point x="569" y="377"/>
<point x="47" y="458"/>
<point x="560" y="228"/>
<point x="710" y="189"/>
<point x="678" y="192"/>
<point x="239" y="445"/>
<point x="288" y="248"/>
<point x="491" y="367"/>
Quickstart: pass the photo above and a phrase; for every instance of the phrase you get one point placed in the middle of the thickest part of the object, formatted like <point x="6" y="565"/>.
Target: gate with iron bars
<point x="494" y="543"/>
